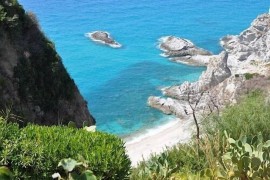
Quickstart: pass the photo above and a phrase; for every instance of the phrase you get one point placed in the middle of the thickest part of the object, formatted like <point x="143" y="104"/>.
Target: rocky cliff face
<point x="253" y="43"/>
<point x="242" y="66"/>
<point x="33" y="80"/>
<point x="250" y="48"/>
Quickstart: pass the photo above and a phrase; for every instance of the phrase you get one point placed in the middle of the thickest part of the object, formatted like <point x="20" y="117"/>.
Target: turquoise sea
<point x="117" y="82"/>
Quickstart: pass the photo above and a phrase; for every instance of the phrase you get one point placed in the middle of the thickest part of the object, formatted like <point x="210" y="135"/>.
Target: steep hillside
<point x="33" y="80"/>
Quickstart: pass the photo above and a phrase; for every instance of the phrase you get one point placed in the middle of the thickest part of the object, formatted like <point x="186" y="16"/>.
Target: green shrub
<point x="250" y="75"/>
<point x="9" y="13"/>
<point x="181" y="158"/>
<point x="157" y="168"/>
<point x="38" y="149"/>
<point x="186" y="176"/>
<point x="245" y="158"/>
<point x="74" y="170"/>
<point x="186" y="157"/>
<point x="250" y="116"/>
<point x="2" y="14"/>
<point x="9" y="136"/>
<point x="5" y="173"/>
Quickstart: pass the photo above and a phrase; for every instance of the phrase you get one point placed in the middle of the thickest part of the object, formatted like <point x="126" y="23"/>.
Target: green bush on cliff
<point x="34" y="152"/>
<point x="9" y="136"/>
<point x="247" y="118"/>
<point x="181" y="158"/>
<point x="245" y="158"/>
<point x="42" y="76"/>
<point x="39" y="75"/>
<point x="2" y="14"/>
<point x="250" y="75"/>
<point x="250" y="116"/>
<point x="9" y="14"/>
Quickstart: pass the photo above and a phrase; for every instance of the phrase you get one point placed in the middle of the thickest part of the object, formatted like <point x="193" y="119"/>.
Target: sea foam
<point x="136" y="137"/>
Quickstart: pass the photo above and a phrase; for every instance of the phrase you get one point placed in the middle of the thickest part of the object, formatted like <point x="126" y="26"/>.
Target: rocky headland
<point x="103" y="38"/>
<point x="34" y="83"/>
<point x="242" y="66"/>
<point x="183" y="51"/>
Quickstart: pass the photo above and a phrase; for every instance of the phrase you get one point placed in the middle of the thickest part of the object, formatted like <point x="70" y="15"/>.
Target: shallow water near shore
<point x="117" y="82"/>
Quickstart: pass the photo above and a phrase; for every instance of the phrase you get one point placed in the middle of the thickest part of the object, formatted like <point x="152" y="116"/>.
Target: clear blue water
<point x="117" y="82"/>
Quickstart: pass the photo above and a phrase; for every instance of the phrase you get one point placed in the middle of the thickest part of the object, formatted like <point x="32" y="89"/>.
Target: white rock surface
<point x="171" y="43"/>
<point x="253" y="43"/>
<point x="183" y="51"/>
<point x="224" y="79"/>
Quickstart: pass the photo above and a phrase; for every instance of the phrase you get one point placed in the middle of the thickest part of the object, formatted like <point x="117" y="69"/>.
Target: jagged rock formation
<point x="33" y="80"/>
<point x="241" y="67"/>
<point x="250" y="49"/>
<point x="217" y="71"/>
<point x="251" y="44"/>
<point x="103" y="38"/>
<point x="183" y="51"/>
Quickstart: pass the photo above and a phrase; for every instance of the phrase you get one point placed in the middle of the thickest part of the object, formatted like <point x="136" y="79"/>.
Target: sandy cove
<point x="162" y="137"/>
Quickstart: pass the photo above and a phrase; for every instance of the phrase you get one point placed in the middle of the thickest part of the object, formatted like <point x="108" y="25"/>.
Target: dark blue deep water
<point x="117" y="82"/>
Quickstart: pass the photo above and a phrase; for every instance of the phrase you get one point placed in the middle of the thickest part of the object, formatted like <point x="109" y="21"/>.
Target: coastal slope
<point x="241" y="67"/>
<point x="34" y="83"/>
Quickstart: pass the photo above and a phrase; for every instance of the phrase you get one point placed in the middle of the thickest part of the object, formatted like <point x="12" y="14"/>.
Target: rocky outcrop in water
<point x="183" y="50"/>
<point x="216" y="72"/>
<point x="103" y="38"/>
<point x="241" y="67"/>
<point x="34" y="83"/>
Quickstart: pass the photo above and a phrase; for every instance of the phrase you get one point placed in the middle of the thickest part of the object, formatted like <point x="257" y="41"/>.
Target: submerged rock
<point x="103" y="38"/>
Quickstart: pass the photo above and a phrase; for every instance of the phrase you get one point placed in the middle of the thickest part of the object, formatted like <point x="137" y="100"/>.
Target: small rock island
<point x="103" y="38"/>
<point x="183" y="51"/>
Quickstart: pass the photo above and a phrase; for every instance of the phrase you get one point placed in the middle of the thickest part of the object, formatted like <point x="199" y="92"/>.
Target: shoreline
<point x="219" y="81"/>
<point x="157" y="139"/>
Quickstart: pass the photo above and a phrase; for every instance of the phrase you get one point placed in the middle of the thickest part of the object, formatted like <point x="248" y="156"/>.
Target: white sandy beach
<point x="156" y="140"/>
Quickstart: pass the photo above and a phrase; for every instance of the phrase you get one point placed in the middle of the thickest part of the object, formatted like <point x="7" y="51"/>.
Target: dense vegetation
<point x="235" y="145"/>
<point x="249" y="117"/>
<point x="34" y="152"/>
<point x="33" y="79"/>
<point x="40" y="73"/>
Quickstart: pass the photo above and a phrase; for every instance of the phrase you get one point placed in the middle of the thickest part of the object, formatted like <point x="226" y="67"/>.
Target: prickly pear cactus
<point x="245" y="158"/>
